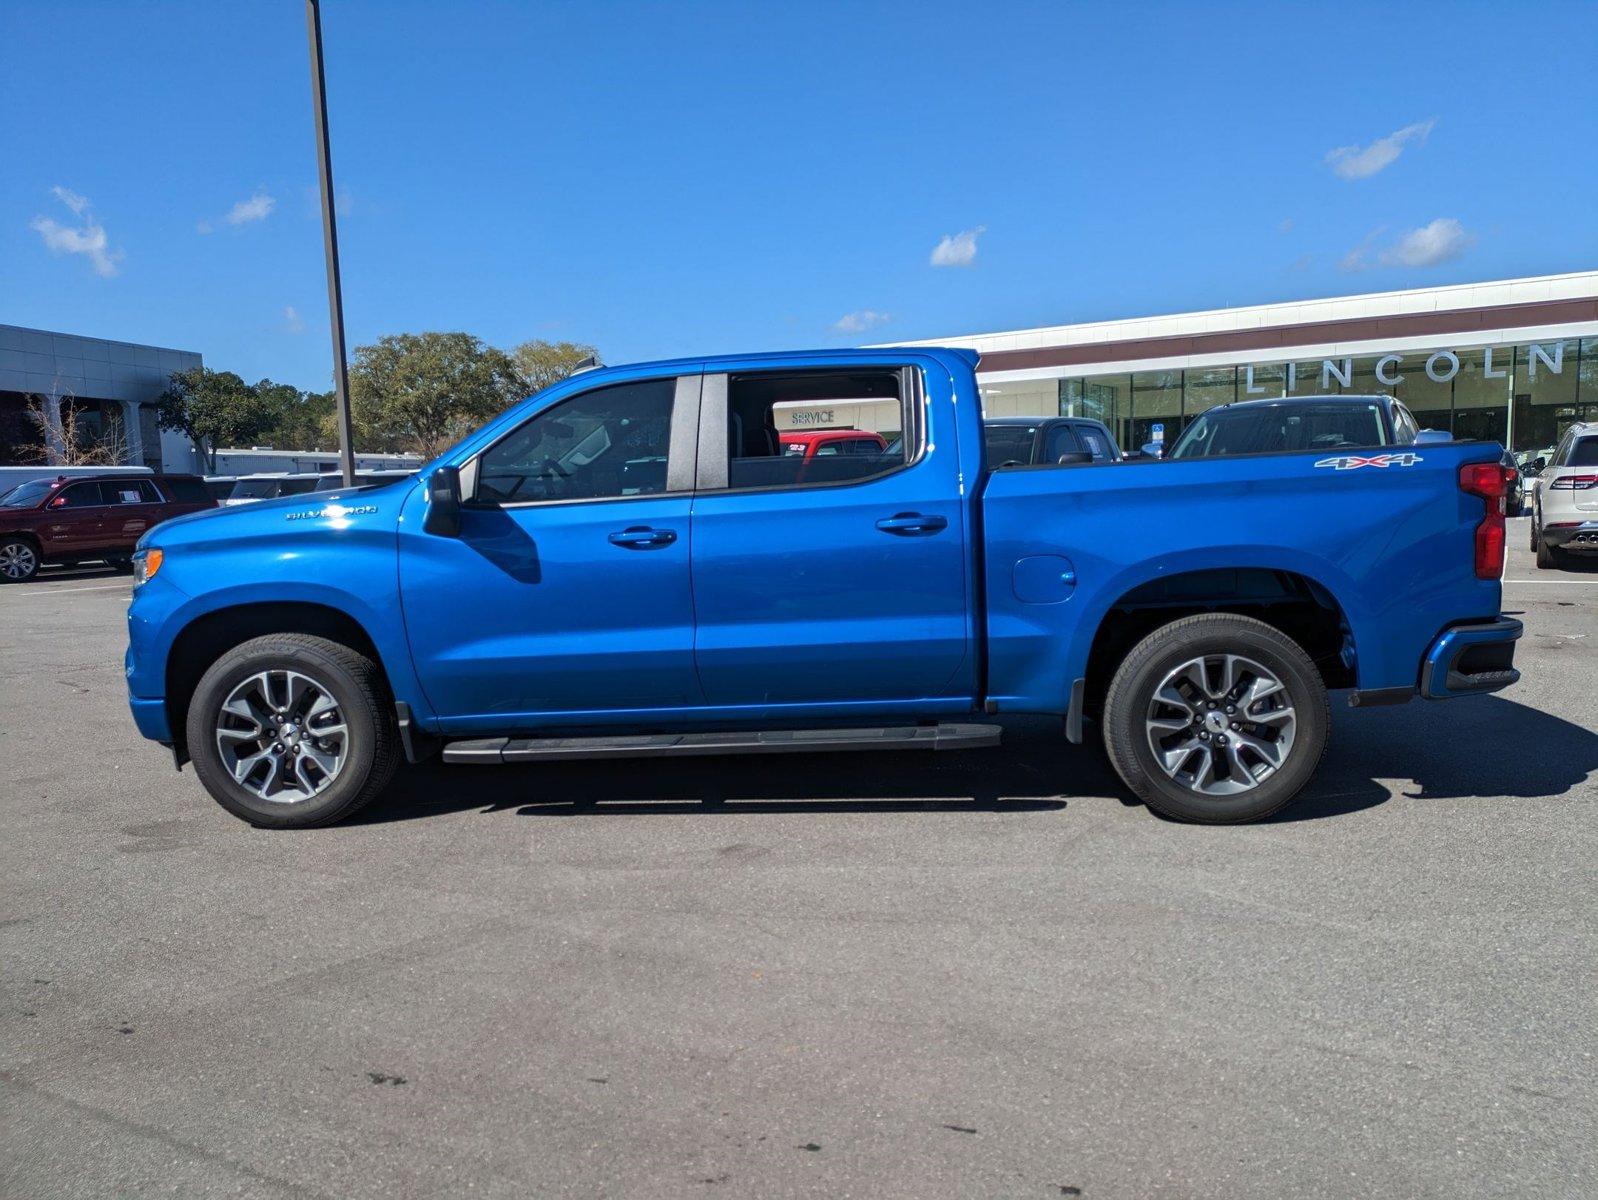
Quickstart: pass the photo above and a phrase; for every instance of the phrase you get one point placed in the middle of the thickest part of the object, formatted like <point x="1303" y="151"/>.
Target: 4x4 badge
<point x="1351" y="462"/>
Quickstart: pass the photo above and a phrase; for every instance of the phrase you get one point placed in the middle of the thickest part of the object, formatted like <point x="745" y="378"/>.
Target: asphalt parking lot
<point x="977" y="974"/>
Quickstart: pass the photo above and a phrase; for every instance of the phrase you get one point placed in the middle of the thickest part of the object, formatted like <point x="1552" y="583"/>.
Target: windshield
<point x="26" y="495"/>
<point x="1266" y="428"/>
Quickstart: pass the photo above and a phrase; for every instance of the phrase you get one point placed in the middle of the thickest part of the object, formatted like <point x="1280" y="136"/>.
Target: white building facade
<point x="1515" y="361"/>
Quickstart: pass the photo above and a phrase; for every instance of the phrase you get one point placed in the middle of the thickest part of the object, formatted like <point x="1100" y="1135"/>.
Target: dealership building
<point x="1515" y="361"/>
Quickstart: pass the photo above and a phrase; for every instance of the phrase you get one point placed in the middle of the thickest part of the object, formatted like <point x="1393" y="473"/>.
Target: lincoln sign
<point x="1440" y="367"/>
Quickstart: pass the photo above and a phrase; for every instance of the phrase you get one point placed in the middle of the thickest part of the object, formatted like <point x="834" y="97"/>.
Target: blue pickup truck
<point x="628" y="565"/>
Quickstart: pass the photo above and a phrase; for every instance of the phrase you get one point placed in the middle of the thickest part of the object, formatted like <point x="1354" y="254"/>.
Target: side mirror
<point x="1153" y="449"/>
<point x="444" y="502"/>
<point x="1433" y="437"/>
<point x="1531" y="470"/>
<point x="1073" y="458"/>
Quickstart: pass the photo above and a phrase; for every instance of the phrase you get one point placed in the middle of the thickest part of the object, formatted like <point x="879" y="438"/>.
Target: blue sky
<point x="695" y="178"/>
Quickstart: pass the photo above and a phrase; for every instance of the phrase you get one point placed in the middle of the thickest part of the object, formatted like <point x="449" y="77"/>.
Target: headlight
<point x="145" y="564"/>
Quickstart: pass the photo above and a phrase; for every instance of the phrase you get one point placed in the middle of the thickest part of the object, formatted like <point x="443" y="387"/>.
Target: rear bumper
<point x="1471" y="660"/>
<point x="1572" y="537"/>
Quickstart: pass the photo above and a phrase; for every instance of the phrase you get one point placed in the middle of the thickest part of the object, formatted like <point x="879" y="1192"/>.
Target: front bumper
<point x="1471" y="660"/>
<point x="150" y="717"/>
<point x="1571" y="537"/>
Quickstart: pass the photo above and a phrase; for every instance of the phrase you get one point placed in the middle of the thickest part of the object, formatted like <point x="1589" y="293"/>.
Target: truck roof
<point x="823" y="357"/>
<point x="1329" y="398"/>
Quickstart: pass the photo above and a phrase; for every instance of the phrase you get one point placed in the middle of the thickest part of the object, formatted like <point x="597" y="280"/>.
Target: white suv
<point x="1564" y="516"/>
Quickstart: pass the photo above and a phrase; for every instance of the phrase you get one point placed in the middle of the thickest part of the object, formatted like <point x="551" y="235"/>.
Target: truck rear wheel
<point x="1216" y="718"/>
<point x="289" y="731"/>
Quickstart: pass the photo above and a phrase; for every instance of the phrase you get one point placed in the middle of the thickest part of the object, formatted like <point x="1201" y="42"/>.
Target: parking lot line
<point x="104" y="587"/>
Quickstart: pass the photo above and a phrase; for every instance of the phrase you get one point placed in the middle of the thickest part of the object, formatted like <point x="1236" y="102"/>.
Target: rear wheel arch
<point x="1299" y="606"/>
<point x="211" y="635"/>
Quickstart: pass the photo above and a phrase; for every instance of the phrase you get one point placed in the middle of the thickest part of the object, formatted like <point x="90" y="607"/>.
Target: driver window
<point x="601" y="444"/>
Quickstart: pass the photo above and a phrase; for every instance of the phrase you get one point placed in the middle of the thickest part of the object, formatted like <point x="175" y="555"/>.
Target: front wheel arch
<point x="205" y="639"/>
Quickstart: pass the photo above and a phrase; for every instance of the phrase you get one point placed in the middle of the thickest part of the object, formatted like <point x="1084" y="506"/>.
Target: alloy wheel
<point x="1220" y="724"/>
<point x="17" y="560"/>
<point x="282" y="736"/>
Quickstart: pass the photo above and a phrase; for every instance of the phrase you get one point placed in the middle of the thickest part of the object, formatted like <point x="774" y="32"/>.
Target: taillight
<point x="1573" y="483"/>
<point x="1487" y="481"/>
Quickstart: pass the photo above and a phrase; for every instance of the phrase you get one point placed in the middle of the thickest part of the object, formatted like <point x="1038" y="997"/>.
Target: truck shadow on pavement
<point x="1481" y="747"/>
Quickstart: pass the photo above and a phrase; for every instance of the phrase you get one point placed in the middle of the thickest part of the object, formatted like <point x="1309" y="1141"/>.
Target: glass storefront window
<point x="1108" y="398"/>
<point x="1546" y="383"/>
<point x="1550" y="385"/>
<point x="1261" y="381"/>
<point x="1205" y="388"/>
<point x="1156" y="400"/>
<point x="1481" y="393"/>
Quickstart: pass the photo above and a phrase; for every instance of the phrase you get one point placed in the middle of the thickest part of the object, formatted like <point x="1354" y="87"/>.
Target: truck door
<point x="566" y="595"/>
<point x="840" y="580"/>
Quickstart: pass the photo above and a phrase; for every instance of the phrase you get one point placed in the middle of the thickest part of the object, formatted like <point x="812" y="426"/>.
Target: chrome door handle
<point x="912" y="523"/>
<point x="641" y="537"/>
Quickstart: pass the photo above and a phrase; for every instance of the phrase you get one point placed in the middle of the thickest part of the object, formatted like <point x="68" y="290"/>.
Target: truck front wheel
<point x="289" y="731"/>
<point x="1216" y="718"/>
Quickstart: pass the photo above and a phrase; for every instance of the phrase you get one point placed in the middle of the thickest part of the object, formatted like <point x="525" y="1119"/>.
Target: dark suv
<point x="88" y="518"/>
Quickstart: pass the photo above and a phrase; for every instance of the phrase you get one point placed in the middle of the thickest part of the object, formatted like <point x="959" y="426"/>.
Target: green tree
<point x="544" y="363"/>
<point x="424" y="390"/>
<point x="215" y="409"/>
<point x="302" y="420"/>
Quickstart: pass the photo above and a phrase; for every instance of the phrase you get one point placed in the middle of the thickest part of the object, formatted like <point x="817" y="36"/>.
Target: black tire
<point x="1128" y="704"/>
<point x="19" y="560"/>
<point x="1547" y="557"/>
<point x="1533" y="545"/>
<point x="354" y="682"/>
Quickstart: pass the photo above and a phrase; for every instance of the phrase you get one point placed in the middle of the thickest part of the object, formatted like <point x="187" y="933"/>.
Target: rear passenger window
<point x="1094" y="444"/>
<point x="763" y="408"/>
<point x="129" y="491"/>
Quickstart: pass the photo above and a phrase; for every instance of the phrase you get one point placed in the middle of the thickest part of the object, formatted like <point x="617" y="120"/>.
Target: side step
<point x="769" y="741"/>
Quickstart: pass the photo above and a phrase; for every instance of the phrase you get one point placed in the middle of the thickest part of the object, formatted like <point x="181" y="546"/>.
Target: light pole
<point x="335" y="293"/>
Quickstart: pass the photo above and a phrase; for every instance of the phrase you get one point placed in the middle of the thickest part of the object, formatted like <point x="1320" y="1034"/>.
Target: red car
<point x="88" y="518"/>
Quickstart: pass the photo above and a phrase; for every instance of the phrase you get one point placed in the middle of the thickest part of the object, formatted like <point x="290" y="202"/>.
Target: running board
<point x="769" y="741"/>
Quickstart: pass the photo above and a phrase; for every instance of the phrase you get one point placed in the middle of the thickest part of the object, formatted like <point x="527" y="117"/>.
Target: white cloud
<point x="88" y="239"/>
<point x="1361" y="162"/>
<point x="292" y="321"/>
<point x="957" y="249"/>
<point x="257" y="208"/>
<point x="1438" y="242"/>
<point x="1358" y="258"/>
<point x="859" y="322"/>
<point x="73" y="200"/>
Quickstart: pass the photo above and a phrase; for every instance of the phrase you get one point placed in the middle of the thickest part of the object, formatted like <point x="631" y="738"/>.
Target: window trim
<point x="682" y="437"/>
<point x="713" y="466"/>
